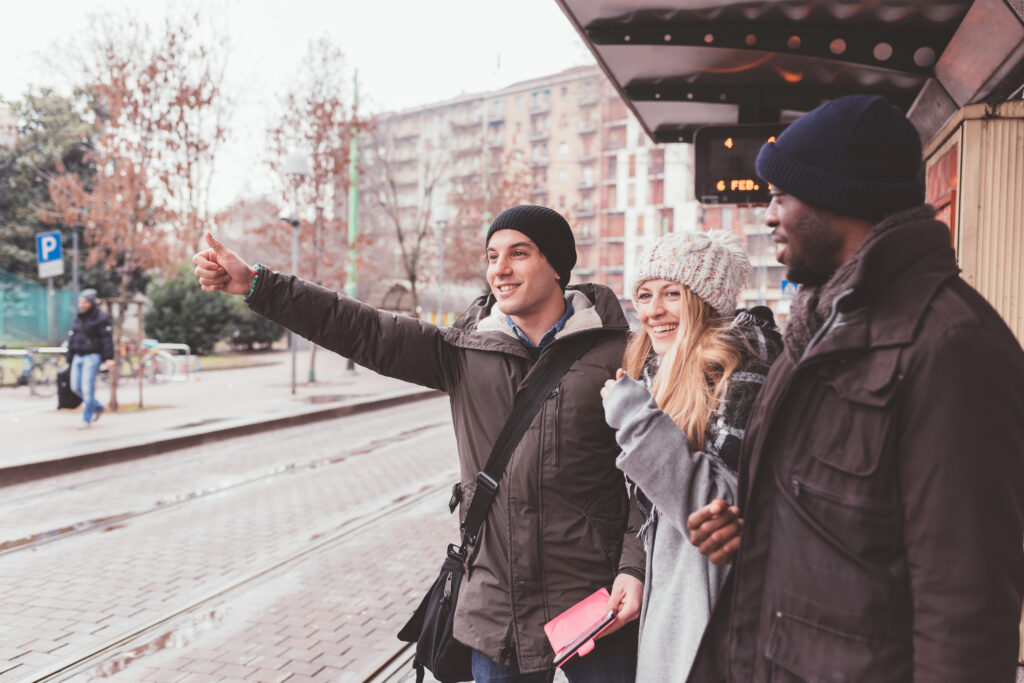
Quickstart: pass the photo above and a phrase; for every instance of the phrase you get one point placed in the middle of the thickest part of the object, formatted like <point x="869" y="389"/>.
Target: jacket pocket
<point x="800" y="650"/>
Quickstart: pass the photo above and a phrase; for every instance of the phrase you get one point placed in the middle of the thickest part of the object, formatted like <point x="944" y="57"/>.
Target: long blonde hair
<point x="692" y="377"/>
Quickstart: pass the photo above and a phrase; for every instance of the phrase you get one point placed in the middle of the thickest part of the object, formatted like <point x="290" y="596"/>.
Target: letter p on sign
<point x="48" y="254"/>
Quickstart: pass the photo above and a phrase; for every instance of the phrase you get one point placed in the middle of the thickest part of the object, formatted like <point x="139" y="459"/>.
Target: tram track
<point x="119" y="651"/>
<point x="167" y="503"/>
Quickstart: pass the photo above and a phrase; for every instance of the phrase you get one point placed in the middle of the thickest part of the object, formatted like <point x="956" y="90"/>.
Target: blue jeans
<point x="613" y="660"/>
<point x="83" y="382"/>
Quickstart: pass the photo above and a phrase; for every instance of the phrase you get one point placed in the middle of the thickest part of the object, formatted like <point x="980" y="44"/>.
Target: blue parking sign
<point x="49" y="256"/>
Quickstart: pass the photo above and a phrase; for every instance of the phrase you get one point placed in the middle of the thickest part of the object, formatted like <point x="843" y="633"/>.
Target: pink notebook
<point x="574" y="630"/>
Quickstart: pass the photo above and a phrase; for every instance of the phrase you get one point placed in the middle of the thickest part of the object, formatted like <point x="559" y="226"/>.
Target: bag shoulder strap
<point x="525" y="406"/>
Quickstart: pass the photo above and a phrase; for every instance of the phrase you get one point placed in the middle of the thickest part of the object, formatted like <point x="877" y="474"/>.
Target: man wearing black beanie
<point x="560" y="526"/>
<point x="882" y="482"/>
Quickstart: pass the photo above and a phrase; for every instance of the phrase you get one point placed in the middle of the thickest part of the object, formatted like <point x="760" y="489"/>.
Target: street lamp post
<point x="296" y="168"/>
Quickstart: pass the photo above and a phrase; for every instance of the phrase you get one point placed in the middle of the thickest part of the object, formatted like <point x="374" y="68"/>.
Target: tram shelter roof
<point x="690" y="63"/>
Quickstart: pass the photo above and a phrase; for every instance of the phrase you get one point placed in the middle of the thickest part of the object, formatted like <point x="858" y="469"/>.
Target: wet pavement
<point x="290" y="555"/>
<point x="34" y="430"/>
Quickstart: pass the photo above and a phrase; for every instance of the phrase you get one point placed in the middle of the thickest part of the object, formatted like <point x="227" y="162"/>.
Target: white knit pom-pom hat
<point x="714" y="265"/>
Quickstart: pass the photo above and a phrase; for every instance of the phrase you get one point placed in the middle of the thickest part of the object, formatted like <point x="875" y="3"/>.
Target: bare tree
<point x="142" y="83"/>
<point x="476" y="201"/>
<point x="402" y="185"/>
<point x="318" y="122"/>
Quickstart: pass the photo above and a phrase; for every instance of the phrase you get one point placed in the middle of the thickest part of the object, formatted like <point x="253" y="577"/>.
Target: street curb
<point x="19" y="474"/>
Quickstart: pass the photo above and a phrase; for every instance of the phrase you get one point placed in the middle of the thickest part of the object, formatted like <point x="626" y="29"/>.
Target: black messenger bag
<point x="431" y="624"/>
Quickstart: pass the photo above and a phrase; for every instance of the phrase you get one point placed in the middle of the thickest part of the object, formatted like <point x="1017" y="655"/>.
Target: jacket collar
<point x="889" y="293"/>
<point x="485" y="327"/>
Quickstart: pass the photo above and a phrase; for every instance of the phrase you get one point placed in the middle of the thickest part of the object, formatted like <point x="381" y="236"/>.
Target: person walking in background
<point x="90" y="345"/>
<point x="560" y="526"/>
<point x="691" y="375"/>
<point x="882" y="477"/>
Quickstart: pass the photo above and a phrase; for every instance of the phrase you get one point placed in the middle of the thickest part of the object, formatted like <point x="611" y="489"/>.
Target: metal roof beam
<point x="766" y="97"/>
<point x="909" y="49"/>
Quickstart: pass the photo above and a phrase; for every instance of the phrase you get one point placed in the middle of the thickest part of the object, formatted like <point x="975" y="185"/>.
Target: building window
<point x="631" y="195"/>
<point x="657" y="191"/>
<point x="563" y="148"/>
<point x="565" y="92"/>
<point x="563" y="174"/>
<point x="610" y="168"/>
<point x="519" y="101"/>
<point x="632" y="165"/>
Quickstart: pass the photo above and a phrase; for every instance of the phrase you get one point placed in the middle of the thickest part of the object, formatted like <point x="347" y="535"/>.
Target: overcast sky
<point x="408" y="52"/>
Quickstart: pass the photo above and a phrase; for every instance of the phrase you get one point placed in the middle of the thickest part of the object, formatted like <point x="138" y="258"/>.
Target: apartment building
<point x="585" y="156"/>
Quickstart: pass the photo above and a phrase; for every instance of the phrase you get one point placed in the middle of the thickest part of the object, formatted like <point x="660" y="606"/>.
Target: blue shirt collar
<point x="549" y="336"/>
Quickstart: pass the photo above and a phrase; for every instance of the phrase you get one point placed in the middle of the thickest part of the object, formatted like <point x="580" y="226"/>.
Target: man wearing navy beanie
<point x="882" y="483"/>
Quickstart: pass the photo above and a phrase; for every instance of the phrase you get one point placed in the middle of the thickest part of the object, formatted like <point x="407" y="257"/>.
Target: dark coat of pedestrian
<point x="882" y="478"/>
<point x="560" y="526"/>
<point x="90" y="346"/>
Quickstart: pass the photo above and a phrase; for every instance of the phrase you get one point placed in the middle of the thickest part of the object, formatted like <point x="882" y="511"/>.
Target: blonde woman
<point x="680" y="405"/>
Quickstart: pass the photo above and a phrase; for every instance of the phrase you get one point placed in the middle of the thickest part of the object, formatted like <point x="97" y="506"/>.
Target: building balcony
<point x="538" y="190"/>
<point x="406" y="136"/>
<point x="589" y="100"/>
<point x="467" y="150"/>
<point x="586" y="128"/>
<point x="587" y="159"/>
<point x="539" y="162"/>
<point x="613" y="145"/>
<point x="495" y="118"/>
<point x="466" y="124"/>
<point x="540" y="109"/>
<point x="584" y="213"/>
<point x="612" y="269"/>
<point x="586" y="185"/>
<point x="536" y="136"/>
<point x="616" y="123"/>
<point x="584" y="241"/>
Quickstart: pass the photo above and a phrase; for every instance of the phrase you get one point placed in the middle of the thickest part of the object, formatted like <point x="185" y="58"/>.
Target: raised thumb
<point x="214" y="243"/>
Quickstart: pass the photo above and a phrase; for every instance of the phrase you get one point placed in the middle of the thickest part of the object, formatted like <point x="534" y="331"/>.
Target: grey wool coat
<point x="681" y="585"/>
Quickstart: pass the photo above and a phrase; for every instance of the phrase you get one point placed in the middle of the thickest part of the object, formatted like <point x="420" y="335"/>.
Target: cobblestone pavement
<point x="212" y="517"/>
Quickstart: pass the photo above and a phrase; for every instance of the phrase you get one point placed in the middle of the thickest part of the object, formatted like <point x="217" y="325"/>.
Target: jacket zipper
<point x="799" y="486"/>
<point x="830" y="323"/>
<point x="555" y="451"/>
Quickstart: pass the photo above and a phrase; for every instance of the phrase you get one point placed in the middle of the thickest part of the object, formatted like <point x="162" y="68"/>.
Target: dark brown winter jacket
<point x="559" y="528"/>
<point x="882" y="485"/>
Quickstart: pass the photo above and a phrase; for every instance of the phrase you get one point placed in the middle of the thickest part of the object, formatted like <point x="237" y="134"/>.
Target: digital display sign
<point x="724" y="171"/>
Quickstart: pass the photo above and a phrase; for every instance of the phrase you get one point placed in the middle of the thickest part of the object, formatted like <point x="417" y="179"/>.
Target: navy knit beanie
<point x="548" y="230"/>
<point x="856" y="155"/>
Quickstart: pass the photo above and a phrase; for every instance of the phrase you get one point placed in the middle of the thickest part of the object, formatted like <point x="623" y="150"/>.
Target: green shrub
<point x="252" y="330"/>
<point x="180" y="312"/>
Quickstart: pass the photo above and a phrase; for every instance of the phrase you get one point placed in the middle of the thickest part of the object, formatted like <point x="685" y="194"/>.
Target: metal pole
<point x="293" y="339"/>
<point x="353" y="202"/>
<point x="74" y="262"/>
<point x="51" y="317"/>
<point x="440" y="280"/>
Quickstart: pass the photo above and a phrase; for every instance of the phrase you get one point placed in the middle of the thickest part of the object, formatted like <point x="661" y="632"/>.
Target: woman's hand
<point x="611" y="383"/>
<point x="626" y="597"/>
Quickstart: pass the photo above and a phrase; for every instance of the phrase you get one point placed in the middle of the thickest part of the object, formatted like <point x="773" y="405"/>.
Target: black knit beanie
<point x="548" y="230"/>
<point x="856" y="155"/>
